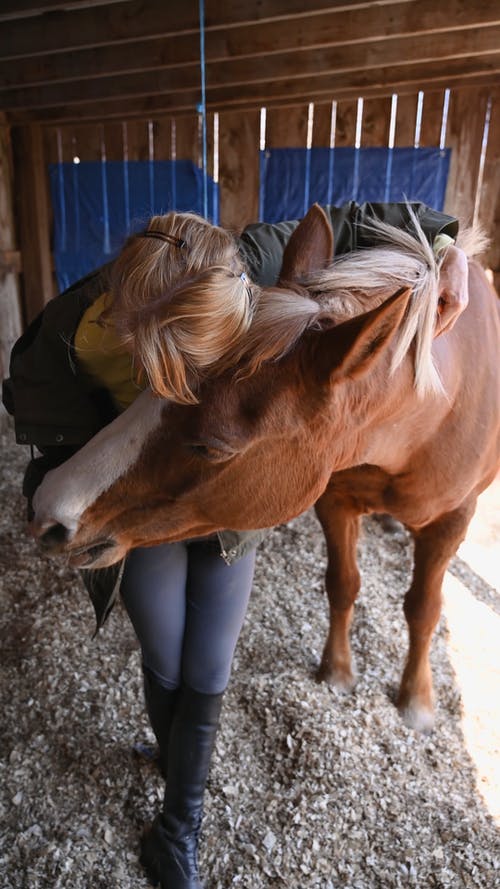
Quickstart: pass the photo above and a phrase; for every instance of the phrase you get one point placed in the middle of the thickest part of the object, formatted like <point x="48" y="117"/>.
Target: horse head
<point x="258" y="448"/>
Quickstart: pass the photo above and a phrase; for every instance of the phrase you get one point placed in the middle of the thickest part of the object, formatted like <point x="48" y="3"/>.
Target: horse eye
<point x="209" y="452"/>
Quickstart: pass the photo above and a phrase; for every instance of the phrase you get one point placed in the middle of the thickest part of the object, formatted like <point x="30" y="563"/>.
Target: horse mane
<point x="355" y="283"/>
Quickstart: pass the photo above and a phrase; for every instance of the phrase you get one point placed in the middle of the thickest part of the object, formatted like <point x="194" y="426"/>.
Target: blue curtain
<point x="291" y="179"/>
<point x="97" y="204"/>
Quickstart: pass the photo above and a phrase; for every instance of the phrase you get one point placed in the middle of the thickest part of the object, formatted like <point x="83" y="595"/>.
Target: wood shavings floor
<point x="309" y="789"/>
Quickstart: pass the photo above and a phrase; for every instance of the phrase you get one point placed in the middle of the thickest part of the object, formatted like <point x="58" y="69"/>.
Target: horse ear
<point x="310" y="247"/>
<point x="353" y="347"/>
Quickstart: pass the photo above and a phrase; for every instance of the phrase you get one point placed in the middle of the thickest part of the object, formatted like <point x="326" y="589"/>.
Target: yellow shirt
<point x="103" y="359"/>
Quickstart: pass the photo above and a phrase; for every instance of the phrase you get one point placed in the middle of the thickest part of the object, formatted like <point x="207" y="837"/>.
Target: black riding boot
<point x="169" y="850"/>
<point x="160" y="704"/>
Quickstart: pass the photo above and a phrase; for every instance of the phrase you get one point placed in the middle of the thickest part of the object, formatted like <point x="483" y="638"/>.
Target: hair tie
<point x="161" y="236"/>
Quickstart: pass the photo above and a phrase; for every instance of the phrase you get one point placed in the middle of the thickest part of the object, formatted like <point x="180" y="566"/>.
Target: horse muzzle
<point x="58" y="539"/>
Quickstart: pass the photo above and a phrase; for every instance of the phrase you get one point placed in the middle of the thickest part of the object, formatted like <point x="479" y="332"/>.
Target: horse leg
<point x="341" y="528"/>
<point x="435" y="544"/>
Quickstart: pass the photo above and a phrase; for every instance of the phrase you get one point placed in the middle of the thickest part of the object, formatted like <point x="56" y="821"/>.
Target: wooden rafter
<point x="470" y="49"/>
<point x="96" y="61"/>
<point x="281" y="93"/>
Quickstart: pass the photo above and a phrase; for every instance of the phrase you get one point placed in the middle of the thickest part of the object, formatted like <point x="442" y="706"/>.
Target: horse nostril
<point x="55" y="536"/>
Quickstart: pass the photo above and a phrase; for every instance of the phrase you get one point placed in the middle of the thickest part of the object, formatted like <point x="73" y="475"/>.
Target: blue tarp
<point x="97" y="204"/>
<point x="291" y="179"/>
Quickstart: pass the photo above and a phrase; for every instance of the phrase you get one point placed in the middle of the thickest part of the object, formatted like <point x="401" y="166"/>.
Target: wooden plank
<point x="137" y="140"/>
<point x="287" y="129"/>
<point x="113" y="141"/>
<point x="187" y="138"/>
<point x="163" y="139"/>
<point x="60" y="144"/>
<point x="365" y="83"/>
<point x="88" y="142"/>
<point x="30" y="175"/>
<point x="133" y="21"/>
<point x="239" y="169"/>
<point x="322" y="125"/>
<point x="20" y="9"/>
<point x="10" y="304"/>
<point x="466" y="119"/>
<point x="164" y="75"/>
<point x="432" y="118"/>
<point x="346" y="124"/>
<point x="10" y="262"/>
<point x="107" y="61"/>
<point x="240" y="11"/>
<point x="405" y="121"/>
<point x="183" y="51"/>
<point x="489" y="195"/>
<point x="175" y="78"/>
<point x="73" y="29"/>
<point x="210" y="144"/>
<point x="376" y="121"/>
<point x="50" y="146"/>
<point x="147" y="109"/>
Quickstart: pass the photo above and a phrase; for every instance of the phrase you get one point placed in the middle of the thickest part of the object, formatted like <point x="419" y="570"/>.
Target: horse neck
<point x="386" y="417"/>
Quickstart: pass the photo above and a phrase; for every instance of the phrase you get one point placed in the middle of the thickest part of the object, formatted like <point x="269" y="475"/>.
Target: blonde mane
<point x="355" y="283"/>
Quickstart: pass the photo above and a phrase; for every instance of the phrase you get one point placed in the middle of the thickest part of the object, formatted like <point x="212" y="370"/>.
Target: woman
<point x="171" y="310"/>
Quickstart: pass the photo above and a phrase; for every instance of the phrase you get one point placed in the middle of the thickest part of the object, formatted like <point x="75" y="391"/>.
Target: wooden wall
<point x="287" y="127"/>
<point x="473" y="189"/>
<point x="10" y="302"/>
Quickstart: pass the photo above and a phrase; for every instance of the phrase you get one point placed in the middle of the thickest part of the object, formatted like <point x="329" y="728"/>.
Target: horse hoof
<point x="342" y="680"/>
<point x="417" y="717"/>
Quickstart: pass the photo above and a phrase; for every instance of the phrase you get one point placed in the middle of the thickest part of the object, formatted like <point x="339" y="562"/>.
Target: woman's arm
<point x="262" y="245"/>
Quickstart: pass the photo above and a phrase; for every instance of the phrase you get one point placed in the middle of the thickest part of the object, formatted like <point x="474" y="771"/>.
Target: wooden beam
<point x="163" y="53"/>
<point x="285" y="92"/>
<point x="128" y="21"/>
<point x="489" y="196"/>
<point x="10" y="262"/>
<point x="465" y="134"/>
<point x="240" y="9"/>
<point x="10" y="306"/>
<point x="21" y="9"/>
<point x="33" y="213"/>
<point x="229" y="37"/>
<point x="239" y="169"/>
<point x="469" y="46"/>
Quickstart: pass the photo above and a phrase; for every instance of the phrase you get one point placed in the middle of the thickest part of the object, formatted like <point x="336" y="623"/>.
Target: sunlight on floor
<point x="481" y="549"/>
<point x="474" y="647"/>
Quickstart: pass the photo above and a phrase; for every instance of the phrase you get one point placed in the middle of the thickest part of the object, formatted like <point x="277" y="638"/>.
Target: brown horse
<point x="368" y="414"/>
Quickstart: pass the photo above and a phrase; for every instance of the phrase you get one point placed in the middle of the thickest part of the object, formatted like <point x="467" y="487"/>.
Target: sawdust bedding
<point x="309" y="789"/>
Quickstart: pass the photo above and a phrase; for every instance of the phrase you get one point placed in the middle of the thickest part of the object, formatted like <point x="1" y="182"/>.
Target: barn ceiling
<point x="85" y="60"/>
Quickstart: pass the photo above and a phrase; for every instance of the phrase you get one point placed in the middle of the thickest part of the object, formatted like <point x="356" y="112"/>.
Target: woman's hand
<point x="453" y="289"/>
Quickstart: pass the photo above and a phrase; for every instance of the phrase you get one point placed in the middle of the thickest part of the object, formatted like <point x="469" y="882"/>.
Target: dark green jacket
<point x="262" y="244"/>
<point x="55" y="411"/>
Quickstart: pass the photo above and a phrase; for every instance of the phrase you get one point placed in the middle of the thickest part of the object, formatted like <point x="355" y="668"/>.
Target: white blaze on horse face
<point x="66" y="492"/>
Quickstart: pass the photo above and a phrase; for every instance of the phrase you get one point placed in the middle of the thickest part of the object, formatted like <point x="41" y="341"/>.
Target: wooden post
<point x="239" y="168"/>
<point x="33" y="210"/>
<point x="489" y="198"/>
<point x="465" y="134"/>
<point x="10" y="308"/>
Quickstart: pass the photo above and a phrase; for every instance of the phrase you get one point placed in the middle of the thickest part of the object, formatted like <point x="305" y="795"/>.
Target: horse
<point x="341" y="397"/>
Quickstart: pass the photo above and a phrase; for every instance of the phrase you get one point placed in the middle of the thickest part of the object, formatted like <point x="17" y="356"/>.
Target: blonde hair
<point x="180" y="304"/>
